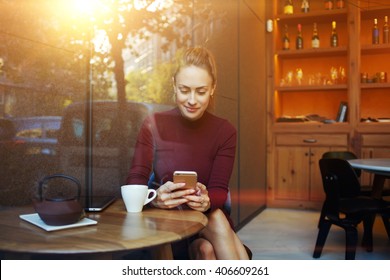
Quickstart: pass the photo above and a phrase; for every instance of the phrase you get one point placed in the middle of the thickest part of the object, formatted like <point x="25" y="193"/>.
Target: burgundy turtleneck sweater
<point x="168" y="142"/>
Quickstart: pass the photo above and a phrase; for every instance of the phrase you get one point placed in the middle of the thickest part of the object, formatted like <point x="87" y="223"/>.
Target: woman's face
<point x="193" y="90"/>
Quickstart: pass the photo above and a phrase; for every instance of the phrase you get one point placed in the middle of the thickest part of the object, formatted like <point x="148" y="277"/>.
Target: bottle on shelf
<point x="299" y="40"/>
<point x="375" y="32"/>
<point x="286" y="39"/>
<point x="386" y="31"/>
<point x="328" y="4"/>
<point x="340" y="4"/>
<point x="288" y="7"/>
<point x="305" y="6"/>
<point x="334" y="39"/>
<point x="315" y="39"/>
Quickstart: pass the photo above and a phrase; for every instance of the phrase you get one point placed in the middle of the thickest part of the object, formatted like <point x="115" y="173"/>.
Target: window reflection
<point x="43" y="76"/>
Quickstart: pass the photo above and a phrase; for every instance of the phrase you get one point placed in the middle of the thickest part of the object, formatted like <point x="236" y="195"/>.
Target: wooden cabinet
<point x="310" y="81"/>
<point x="316" y="81"/>
<point x="297" y="175"/>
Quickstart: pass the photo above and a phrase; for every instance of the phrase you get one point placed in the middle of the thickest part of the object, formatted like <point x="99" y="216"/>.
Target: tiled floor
<point x="284" y="234"/>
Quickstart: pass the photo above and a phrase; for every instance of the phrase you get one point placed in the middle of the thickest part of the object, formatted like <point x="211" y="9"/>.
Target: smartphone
<point x="188" y="177"/>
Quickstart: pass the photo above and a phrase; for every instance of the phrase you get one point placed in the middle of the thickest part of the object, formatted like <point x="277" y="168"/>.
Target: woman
<point x="190" y="138"/>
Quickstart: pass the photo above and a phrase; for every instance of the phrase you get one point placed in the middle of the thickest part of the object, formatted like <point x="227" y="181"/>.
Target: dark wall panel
<point x="252" y="108"/>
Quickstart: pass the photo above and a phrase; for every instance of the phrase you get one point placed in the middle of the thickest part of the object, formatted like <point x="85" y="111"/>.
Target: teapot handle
<point x="45" y="179"/>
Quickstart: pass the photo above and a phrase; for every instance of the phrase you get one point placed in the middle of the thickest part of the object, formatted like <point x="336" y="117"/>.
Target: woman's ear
<point x="212" y="91"/>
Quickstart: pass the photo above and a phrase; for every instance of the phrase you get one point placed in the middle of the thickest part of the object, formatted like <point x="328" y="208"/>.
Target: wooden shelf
<point x="312" y="88"/>
<point x="306" y="53"/>
<point x="375" y="85"/>
<point x="311" y="127"/>
<point x="374" y="12"/>
<point x="372" y="127"/>
<point x="375" y="49"/>
<point x="320" y="16"/>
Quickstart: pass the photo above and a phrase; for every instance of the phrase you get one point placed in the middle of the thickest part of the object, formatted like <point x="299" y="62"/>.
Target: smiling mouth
<point x="191" y="109"/>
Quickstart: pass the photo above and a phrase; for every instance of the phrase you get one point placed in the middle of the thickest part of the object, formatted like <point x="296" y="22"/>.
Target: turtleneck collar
<point x="192" y="123"/>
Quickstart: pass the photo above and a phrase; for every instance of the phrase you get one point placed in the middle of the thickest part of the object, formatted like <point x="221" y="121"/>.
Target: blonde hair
<point x="199" y="57"/>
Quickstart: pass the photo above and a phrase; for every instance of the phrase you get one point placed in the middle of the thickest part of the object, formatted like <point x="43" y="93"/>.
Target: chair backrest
<point x="339" y="182"/>
<point x="343" y="155"/>
<point x="339" y="179"/>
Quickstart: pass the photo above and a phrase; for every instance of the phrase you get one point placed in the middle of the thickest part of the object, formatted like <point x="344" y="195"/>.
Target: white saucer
<point x="36" y="220"/>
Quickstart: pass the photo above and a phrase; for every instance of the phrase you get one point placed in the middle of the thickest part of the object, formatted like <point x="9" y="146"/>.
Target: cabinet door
<point x="292" y="173"/>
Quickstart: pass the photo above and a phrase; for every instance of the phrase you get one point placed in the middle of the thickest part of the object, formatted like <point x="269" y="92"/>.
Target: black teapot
<point x="59" y="211"/>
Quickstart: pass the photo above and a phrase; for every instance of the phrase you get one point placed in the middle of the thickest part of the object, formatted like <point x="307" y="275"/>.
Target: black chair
<point x="343" y="155"/>
<point x="345" y="207"/>
<point x="386" y="222"/>
<point x="364" y="190"/>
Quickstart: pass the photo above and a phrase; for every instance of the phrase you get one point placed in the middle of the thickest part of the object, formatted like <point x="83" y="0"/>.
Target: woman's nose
<point x="191" y="98"/>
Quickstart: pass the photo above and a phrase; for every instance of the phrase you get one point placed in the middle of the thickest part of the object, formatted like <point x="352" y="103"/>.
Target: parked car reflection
<point x="38" y="133"/>
<point x="28" y="150"/>
<point x="113" y="138"/>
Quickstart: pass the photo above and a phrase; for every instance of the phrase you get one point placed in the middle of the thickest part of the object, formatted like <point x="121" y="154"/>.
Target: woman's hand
<point x="170" y="196"/>
<point x="200" y="201"/>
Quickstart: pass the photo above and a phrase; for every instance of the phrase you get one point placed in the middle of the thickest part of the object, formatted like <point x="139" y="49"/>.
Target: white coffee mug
<point x="136" y="196"/>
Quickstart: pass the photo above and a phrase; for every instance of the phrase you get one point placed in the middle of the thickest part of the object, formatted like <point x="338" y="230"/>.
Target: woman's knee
<point x="217" y="221"/>
<point x="202" y="249"/>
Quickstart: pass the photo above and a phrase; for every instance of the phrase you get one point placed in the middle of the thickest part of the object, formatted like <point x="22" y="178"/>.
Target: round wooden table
<point x="116" y="233"/>
<point x="378" y="166"/>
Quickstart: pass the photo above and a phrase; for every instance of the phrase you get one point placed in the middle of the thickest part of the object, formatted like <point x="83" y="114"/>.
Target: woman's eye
<point x="200" y="91"/>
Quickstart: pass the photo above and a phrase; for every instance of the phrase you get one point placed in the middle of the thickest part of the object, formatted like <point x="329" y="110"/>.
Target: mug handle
<point x="148" y="198"/>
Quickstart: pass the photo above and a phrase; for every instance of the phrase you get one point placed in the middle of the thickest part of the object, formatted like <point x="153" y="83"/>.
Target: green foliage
<point x="152" y="87"/>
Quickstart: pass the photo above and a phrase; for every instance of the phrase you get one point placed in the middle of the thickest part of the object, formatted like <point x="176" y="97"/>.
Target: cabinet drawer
<point x="312" y="139"/>
<point x="376" y="140"/>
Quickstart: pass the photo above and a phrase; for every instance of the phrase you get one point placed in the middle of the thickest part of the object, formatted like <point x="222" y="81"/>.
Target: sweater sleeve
<point x="218" y="186"/>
